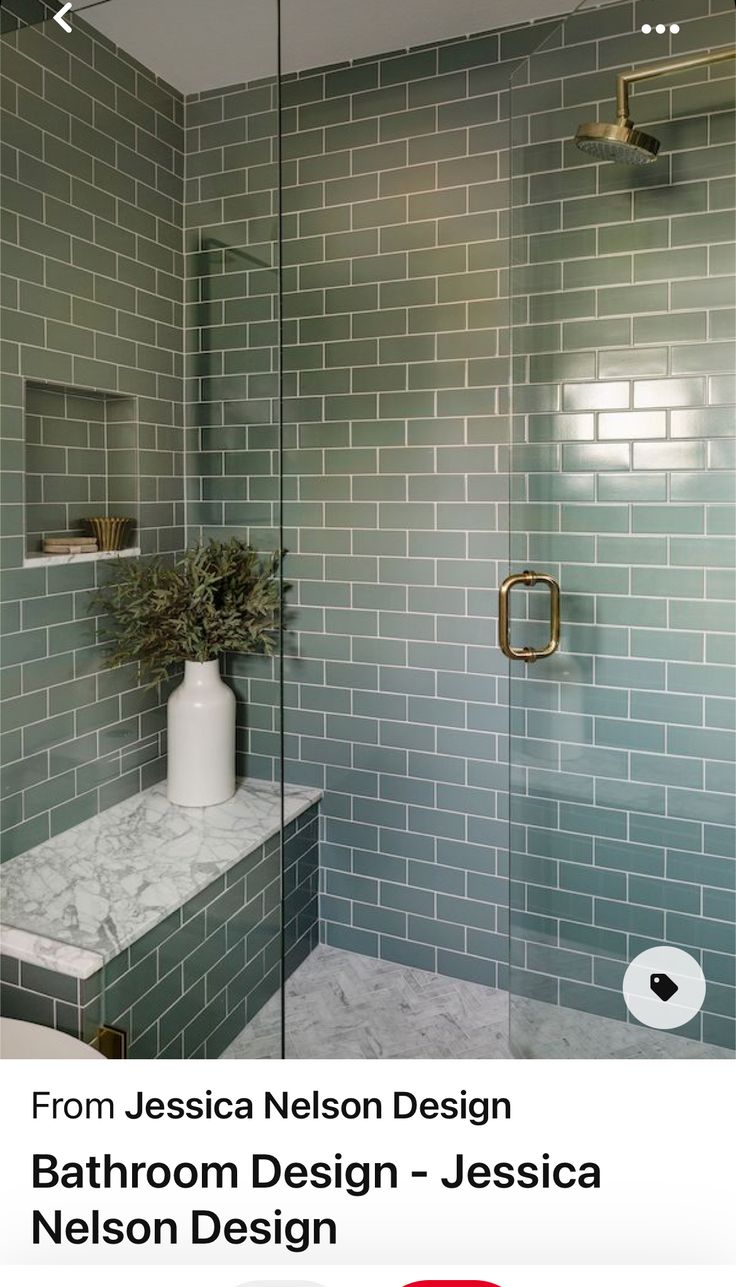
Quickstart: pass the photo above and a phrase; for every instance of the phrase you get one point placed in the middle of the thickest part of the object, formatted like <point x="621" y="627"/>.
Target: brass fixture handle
<point x="528" y="578"/>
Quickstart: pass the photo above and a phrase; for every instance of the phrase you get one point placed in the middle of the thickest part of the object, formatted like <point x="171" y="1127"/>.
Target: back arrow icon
<point x="59" y="17"/>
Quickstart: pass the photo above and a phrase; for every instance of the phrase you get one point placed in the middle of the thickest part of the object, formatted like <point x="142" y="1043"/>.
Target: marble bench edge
<point x="49" y="953"/>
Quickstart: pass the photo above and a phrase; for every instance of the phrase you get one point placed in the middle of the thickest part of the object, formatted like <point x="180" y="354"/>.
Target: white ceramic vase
<point x="201" y="738"/>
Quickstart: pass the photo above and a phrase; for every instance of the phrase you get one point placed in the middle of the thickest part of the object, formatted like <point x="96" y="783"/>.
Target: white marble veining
<point x="343" y="1006"/>
<point x="340" y="1005"/>
<point x="62" y="958"/>
<point x="57" y="560"/>
<point x="102" y="885"/>
<point x="540" y="1030"/>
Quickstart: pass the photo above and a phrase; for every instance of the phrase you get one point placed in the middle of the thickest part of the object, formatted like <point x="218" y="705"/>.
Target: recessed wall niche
<point x="81" y="461"/>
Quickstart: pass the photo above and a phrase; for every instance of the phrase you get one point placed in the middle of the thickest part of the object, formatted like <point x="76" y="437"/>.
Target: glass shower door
<point x="622" y="742"/>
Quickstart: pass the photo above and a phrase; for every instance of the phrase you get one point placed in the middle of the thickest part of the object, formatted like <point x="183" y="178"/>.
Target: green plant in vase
<point x="221" y="597"/>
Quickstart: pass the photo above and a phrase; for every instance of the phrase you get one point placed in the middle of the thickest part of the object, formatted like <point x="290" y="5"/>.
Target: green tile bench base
<point x="189" y="986"/>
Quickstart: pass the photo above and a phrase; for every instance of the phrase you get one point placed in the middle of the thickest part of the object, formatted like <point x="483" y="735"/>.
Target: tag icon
<point x="663" y="987"/>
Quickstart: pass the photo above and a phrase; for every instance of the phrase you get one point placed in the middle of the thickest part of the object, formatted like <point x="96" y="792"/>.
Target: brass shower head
<point x="622" y="142"/>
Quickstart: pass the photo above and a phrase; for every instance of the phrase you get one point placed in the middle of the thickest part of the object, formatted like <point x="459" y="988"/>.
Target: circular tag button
<point x="664" y="987"/>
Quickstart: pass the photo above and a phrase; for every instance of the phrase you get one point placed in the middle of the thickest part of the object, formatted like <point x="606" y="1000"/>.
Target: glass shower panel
<point x="393" y="357"/>
<point x="622" y="740"/>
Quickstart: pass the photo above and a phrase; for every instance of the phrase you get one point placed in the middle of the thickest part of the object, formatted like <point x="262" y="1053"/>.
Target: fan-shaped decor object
<point x="110" y="532"/>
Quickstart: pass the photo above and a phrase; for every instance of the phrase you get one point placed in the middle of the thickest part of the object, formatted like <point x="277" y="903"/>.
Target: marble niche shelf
<point x="81" y="459"/>
<point x="57" y="560"/>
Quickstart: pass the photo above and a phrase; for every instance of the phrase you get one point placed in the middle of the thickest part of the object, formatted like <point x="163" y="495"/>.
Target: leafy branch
<point x="219" y="598"/>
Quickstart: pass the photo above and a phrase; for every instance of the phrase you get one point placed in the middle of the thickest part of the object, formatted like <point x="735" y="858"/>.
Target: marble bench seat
<point x="112" y="920"/>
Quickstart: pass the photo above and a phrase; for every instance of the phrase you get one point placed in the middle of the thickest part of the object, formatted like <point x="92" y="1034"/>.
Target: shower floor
<point x="343" y="1006"/>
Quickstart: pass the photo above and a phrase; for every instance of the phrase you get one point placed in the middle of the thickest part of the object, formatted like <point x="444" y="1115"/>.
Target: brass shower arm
<point x="625" y="79"/>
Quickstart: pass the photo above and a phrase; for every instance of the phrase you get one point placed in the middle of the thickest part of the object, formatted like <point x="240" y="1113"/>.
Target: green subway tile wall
<point x="391" y="435"/>
<point x="81" y="460"/>
<point x="18" y="13"/>
<point x="92" y="213"/>
<point x="233" y="347"/>
<point x="396" y="366"/>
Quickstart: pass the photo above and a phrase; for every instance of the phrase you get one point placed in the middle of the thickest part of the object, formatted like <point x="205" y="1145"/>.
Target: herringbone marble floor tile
<point x="343" y="1006"/>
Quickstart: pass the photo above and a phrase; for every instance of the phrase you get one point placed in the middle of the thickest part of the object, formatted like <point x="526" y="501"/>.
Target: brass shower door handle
<point x="529" y="579"/>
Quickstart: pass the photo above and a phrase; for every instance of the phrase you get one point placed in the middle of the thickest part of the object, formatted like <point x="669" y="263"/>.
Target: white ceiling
<point x="202" y="44"/>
